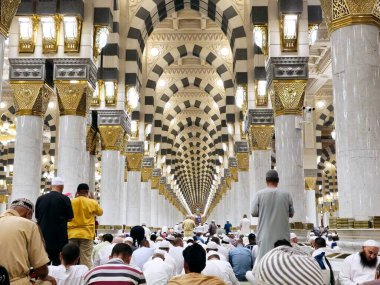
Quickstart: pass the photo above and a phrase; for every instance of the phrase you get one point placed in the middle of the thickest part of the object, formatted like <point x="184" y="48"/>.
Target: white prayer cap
<point x="164" y="244"/>
<point x="212" y="245"/>
<point x="293" y="235"/>
<point x="128" y="239"/>
<point x="211" y="253"/>
<point x="170" y="237"/>
<point x="199" y="231"/>
<point x="371" y="243"/>
<point x="159" y="251"/>
<point x="226" y="239"/>
<point x="57" y="181"/>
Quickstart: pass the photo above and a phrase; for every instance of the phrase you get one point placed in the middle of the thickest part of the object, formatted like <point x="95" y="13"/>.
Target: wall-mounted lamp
<point x="95" y="100"/>
<point x="240" y="97"/>
<point x="103" y="21"/>
<point x="27" y="34"/>
<point x="50" y="31"/>
<point x="259" y="21"/>
<point x="290" y="12"/>
<point x="108" y="91"/>
<point x="132" y="98"/>
<point x="72" y="27"/>
<point x="134" y="129"/>
<point x="314" y="15"/>
<point x="261" y="92"/>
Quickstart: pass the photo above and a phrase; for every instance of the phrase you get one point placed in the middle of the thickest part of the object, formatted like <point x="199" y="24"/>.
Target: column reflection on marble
<point x="110" y="189"/>
<point x="154" y="208"/>
<point x="122" y="191"/>
<point x="91" y="172"/>
<point x="356" y="83"/>
<point x="145" y="203"/>
<point x="133" y="198"/>
<point x="27" y="162"/>
<point x="72" y="151"/>
<point x="2" y="54"/>
<point x="289" y="162"/>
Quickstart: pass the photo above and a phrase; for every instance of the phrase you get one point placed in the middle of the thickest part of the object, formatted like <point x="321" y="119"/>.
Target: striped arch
<point x="325" y="119"/>
<point x="152" y="12"/>
<point x="328" y="154"/>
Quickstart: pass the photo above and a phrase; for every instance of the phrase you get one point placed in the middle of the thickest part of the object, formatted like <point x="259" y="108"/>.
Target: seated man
<point x="319" y="255"/>
<point x="117" y="270"/>
<point x="194" y="262"/>
<point x="101" y="254"/>
<point x="241" y="260"/>
<point x="156" y="270"/>
<point x="360" y="267"/>
<point x="219" y="268"/>
<point x="377" y="278"/>
<point x="69" y="273"/>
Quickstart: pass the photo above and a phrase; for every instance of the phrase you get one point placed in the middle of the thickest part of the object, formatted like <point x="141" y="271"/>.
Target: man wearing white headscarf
<point x="360" y="267"/>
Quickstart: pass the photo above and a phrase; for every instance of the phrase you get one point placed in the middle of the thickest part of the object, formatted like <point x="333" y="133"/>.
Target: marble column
<point x="311" y="205"/>
<point x="154" y="208"/>
<point x="244" y="194"/>
<point x="287" y="97"/>
<point x="134" y="155"/>
<point x="2" y="51"/>
<point x="3" y="207"/>
<point x="122" y="191"/>
<point x="73" y="101"/>
<point x="355" y="57"/>
<point x="112" y="137"/>
<point x="31" y="100"/>
<point x="145" y="203"/>
<point x="91" y="145"/>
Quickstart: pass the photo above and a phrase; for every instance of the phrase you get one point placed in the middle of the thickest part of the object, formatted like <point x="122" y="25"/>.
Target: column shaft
<point x="289" y="162"/>
<point x="91" y="172"/>
<point x="72" y="151"/>
<point x="110" y="194"/>
<point x="2" y="51"/>
<point x="356" y="83"/>
<point x="244" y="194"/>
<point x="133" y="198"/>
<point x="27" y="161"/>
<point x="154" y="207"/>
<point x="145" y="203"/>
<point x="311" y="207"/>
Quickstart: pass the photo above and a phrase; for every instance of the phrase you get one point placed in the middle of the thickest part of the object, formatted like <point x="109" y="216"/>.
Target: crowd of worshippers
<point x="62" y="248"/>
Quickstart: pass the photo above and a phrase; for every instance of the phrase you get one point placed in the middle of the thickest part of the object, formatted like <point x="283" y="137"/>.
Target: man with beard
<point x="360" y="267"/>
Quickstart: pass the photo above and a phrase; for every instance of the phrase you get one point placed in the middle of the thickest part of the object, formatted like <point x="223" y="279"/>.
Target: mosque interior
<point x="169" y="108"/>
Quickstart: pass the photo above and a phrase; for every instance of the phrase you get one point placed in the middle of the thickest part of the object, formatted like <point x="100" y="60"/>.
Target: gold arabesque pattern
<point x="134" y="161"/>
<point x="111" y="137"/>
<point x="261" y="137"/>
<point x="73" y="98"/>
<point x="8" y="9"/>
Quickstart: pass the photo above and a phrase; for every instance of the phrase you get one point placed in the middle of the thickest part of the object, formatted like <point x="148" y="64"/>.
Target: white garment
<point x="353" y="272"/>
<point x="255" y="251"/>
<point x="157" y="272"/>
<point x="205" y="228"/>
<point x="70" y="276"/>
<point x="140" y="256"/>
<point x="245" y="226"/>
<point x="103" y="255"/>
<point x="221" y="269"/>
<point x="318" y="252"/>
<point x="147" y="232"/>
<point x="223" y="251"/>
<point x="177" y="253"/>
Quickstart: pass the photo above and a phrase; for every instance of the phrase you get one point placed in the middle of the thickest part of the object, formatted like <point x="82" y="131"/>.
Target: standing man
<point x="53" y="212"/>
<point x="82" y="227"/>
<point x="273" y="207"/>
<point x="245" y="225"/>
<point x="21" y="245"/>
<point x="212" y="228"/>
<point x="227" y="227"/>
<point x="188" y="226"/>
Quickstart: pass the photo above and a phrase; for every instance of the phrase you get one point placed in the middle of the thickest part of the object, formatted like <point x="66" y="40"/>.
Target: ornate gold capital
<point x="243" y="161"/>
<point x="155" y="182"/>
<point x="146" y="174"/>
<point x="111" y="137"/>
<point x="234" y="173"/>
<point x="261" y="136"/>
<point x="4" y="198"/>
<point x="134" y="161"/>
<point x="310" y="183"/>
<point x="288" y="96"/>
<point x="342" y="13"/>
<point x="73" y="98"/>
<point x="8" y="9"/>
<point x="91" y="140"/>
<point x="30" y="98"/>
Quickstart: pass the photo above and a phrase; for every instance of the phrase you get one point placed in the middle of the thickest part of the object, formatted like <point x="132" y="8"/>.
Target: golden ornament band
<point x="134" y="161"/>
<point x="111" y="137"/>
<point x="243" y="161"/>
<point x="261" y="136"/>
<point x="8" y="10"/>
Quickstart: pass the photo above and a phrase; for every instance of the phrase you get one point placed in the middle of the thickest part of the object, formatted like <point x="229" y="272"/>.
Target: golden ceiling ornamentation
<point x="8" y="9"/>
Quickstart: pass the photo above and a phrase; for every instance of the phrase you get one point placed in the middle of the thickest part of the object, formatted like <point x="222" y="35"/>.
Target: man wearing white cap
<point x="360" y="267"/>
<point x="156" y="270"/>
<point x="53" y="211"/>
<point x="219" y="268"/>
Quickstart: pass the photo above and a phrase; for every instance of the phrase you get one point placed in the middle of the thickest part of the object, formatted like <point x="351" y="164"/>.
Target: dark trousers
<point x="54" y="256"/>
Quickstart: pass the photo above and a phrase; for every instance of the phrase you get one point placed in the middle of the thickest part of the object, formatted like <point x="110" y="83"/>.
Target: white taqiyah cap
<point x="212" y="245"/>
<point x="226" y="239"/>
<point x="164" y="244"/>
<point x="159" y="251"/>
<point x="129" y="239"/>
<point x="293" y="235"/>
<point x="57" y="181"/>
<point x="371" y="243"/>
<point x="211" y="253"/>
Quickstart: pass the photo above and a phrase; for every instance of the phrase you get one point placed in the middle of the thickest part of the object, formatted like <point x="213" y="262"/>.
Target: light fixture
<point x="154" y="51"/>
<point x="289" y="32"/>
<point x="260" y="36"/>
<point x="313" y="34"/>
<point x="148" y="129"/>
<point x="72" y="27"/>
<point x="224" y="146"/>
<point x="321" y="104"/>
<point x="220" y="159"/>
<point x="220" y="83"/>
<point x="95" y="100"/>
<point x="50" y="31"/>
<point x="3" y="105"/>
<point x="333" y="134"/>
<point x="133" y="97"/>
<point x="51" y="105"/>
<point x="27" y="34"/>
<point x="146" y="147"/>
<point x="157" y="147"/>
<point x="225" y="51"/>
<point x="109" y="91"/>
<point x="134" y="128"/>
<point x="100" y="39"/>
<point x="161" y="83"/>
<point x="167" y="105"/>
<point x="240" y="96"/>
<point x="230" y="129"/>
<point x="261" y="93"/>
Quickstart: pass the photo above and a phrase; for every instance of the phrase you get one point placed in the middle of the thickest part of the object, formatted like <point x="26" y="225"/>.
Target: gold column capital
<point x="134" y="160"/>
<point x="288" y="96"/>
<point x="111" y="137"/>
<point x="155" y="182"/>
<point x="30" y="98"/>
<point x="310" y="183"/>
<point x="8" y="9"/>
<point x="343" y="13"/>
<point x="243" y="161"/>
<point x="146" y="173"/>
<point x="261" y="136"/>
<point x="234" y="173"/>
<point x="91" y="140"/>
<point x="74" y="98"/>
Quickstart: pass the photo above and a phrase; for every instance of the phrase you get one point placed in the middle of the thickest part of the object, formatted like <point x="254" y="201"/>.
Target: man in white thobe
<point x="273" y="207"/>
<point x="245" y="226"/>
<point x="360" y="267"/>
<point x="219" y="268"/>
<point x="156" y="270"/>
